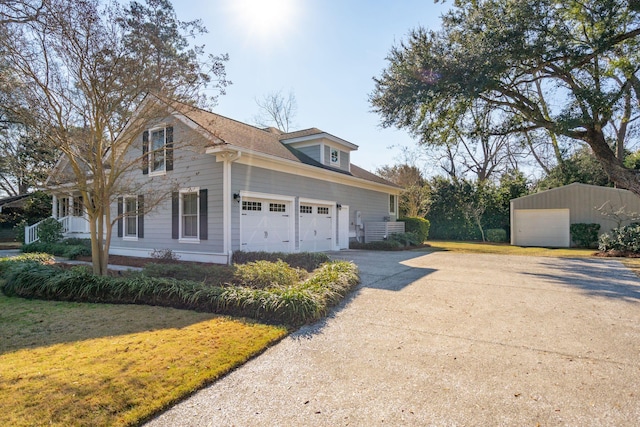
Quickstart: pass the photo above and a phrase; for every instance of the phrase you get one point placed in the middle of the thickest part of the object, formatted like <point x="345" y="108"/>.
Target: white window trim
<point x="181" y="238"/>
<point x="150" y="151"/>
<point x="395" y="204"/>
<point x="331" y="162"/>
<point x="124" y="218"/>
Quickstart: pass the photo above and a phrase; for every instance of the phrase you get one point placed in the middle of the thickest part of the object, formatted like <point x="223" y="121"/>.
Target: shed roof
<point x="573" y="187"/>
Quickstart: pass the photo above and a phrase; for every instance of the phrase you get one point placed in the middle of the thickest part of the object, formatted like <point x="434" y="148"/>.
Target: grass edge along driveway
<point x="99" y="364"/>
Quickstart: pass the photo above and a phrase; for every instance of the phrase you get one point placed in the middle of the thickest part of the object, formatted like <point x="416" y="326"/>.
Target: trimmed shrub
<point x="405" y="239"/>
<point x="19" y="230"/>
<point x="497" y="235"/>
<point x="306" y="260"/>
<point x="417" y="225"/>
<point x="622" y="239"/>
<point x="61" y="249"/>
<point x="210" y="274"/>
<point x="164" y="255"/>
<point x="299" y="303"/>
<point x="380" y="245"/>
<point x="585" y="235"/>
<point x="267" y="274"/>
<point x="38" y="258"/>
<point x="50" y="231"/>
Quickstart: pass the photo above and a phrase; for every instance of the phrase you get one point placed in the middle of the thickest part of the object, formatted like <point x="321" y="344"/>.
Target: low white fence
<point x="70" y="224"/>
<point x="376" y="231"/>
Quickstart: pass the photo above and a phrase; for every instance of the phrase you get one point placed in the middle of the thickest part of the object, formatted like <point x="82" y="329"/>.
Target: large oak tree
<point x="567" y="68"/>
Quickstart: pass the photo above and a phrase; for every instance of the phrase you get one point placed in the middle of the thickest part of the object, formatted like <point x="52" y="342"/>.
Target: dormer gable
<point x="322" y="147"/>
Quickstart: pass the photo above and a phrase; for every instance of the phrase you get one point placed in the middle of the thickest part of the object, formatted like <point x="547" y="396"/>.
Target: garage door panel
<point x="266" y="225"/>
<point x="542" y="227"/>
<point x="316" y="225"/>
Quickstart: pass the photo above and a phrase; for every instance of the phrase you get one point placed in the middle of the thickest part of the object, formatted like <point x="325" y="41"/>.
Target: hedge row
<point x="296" y="304"/>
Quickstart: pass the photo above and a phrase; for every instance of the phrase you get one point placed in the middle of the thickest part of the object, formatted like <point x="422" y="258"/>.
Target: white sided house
<point x="545" y="218"/>
<point x="242" y="189"/>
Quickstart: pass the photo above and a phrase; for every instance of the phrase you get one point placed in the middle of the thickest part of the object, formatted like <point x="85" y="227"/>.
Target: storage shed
<point x="543" y="219"/>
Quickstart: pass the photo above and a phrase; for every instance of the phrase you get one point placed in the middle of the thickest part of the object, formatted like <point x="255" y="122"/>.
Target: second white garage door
<point x="266" y="225"/>
<point x="316" y="227"/>
<point x="541" y="227"/>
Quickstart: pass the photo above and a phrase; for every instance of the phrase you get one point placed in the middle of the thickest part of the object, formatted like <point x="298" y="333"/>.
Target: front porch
<point x="70" y="213"/>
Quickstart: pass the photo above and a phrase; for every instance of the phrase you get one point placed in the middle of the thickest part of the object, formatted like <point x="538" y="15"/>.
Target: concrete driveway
<point x="449" y="339"/>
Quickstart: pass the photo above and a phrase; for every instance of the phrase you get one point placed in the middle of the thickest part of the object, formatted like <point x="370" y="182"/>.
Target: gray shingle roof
<point x="266" y="141"/>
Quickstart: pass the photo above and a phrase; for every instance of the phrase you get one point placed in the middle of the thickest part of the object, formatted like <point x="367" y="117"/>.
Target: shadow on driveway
<point x="596" y="277"/>
<point x="385" y="270"/>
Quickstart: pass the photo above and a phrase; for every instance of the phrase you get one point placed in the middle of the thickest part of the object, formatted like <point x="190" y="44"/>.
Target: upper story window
<point x="334" y="155"/>
<point x="157" y="150"/>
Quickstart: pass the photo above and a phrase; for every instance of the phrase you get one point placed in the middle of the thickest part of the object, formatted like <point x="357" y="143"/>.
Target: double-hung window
<point x="393" y="204"/>
<point x="157" y="150"/>
<point x="189" y="215"/>
<point x="131" y="217"/>
<point x="130" y="206"/>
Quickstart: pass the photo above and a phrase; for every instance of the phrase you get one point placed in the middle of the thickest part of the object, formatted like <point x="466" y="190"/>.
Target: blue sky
<point x="324" y="51"/>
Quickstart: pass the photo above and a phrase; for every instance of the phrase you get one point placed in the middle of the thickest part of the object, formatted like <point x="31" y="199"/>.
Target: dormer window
<point x="334" y="155"/>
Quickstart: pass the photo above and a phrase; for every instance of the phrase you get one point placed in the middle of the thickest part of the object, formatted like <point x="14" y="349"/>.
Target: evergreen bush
<point x="496" y="235"/>
<point x="623" y="239"/>
<point x="417" y="225"/>
<point x="50" y="231"/>
<point x="585" y="235"/>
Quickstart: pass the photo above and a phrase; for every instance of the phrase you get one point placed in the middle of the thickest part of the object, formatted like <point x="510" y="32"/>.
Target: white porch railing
<point x="70" y="224"/>
<point x="376" y="231"/>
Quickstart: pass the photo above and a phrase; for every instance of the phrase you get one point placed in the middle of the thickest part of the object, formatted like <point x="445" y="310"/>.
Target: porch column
<point x="227" y="157"/>
<point x="54" y="206"/>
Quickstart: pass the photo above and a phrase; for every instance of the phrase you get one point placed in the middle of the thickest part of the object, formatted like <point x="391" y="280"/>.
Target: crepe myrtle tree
<point x="566" y="67"/>
<point x="92" y="74"/>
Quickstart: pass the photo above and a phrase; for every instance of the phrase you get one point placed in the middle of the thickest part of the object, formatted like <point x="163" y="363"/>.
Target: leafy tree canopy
<point x="563" y="66"/>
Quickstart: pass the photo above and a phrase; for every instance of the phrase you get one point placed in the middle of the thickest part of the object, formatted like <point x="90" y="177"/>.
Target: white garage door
<point x="315" y="227"/>
<point x="542" y="227"/>
<point x="265" y="225"/>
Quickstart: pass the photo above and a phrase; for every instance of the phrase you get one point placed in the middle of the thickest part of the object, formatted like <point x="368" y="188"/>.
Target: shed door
<point x="315" y="227"/>
<point x="266" y="225"/>
<point x="542" y="227"/>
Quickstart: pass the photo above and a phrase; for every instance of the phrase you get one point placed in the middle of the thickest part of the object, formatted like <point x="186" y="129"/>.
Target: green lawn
<point x="72" y="364"/>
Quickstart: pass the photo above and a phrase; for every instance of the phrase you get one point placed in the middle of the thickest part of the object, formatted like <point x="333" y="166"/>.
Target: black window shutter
<point x="169" y="148"/>
<point x="175" y="215"/>
<point x="120" y="216"/>
<point x="145" y="152"/>
<point x="140" y="216"/>
<point x="204" y="209"/>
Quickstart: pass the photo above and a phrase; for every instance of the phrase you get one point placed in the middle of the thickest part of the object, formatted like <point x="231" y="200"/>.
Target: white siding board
<point x="374" y="205"/>
<point x="312" y="151"/>
<point x="192" y="168"/>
